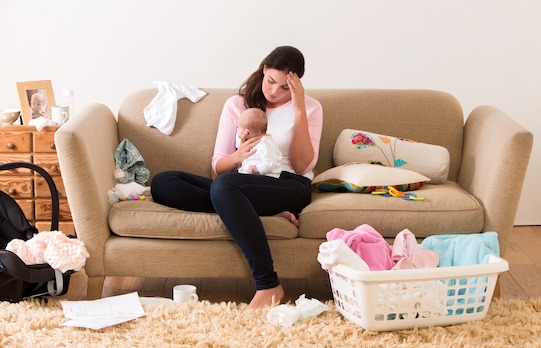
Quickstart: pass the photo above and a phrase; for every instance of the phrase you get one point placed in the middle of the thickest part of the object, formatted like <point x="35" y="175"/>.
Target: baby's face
<point x="37" y="104"/>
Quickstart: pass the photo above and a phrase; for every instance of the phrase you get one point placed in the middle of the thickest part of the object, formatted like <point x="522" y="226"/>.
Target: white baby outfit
<point x="267" y="158"/>
<point x="161" y="113"/>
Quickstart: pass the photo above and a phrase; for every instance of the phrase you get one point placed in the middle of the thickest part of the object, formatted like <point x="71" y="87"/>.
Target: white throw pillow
<point x="366" y="147"/>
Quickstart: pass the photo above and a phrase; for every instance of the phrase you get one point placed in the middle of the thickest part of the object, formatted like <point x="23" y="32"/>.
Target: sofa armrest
<point x="85" y="147"/>
<point x="495" y="157"/>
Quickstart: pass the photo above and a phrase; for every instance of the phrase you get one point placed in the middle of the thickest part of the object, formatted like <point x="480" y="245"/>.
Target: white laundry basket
<point x="404" y="299"/>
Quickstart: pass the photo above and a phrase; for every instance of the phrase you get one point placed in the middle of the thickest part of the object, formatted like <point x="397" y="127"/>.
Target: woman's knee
<point x="222" y="182"/>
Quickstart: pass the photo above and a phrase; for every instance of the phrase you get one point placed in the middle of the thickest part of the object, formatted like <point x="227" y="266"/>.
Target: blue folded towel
<point x="463" y="249"/>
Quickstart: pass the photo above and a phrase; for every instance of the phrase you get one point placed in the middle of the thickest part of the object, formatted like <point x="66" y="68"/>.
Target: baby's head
<point x="254" y="120"/>
<point x="37" y="102"/>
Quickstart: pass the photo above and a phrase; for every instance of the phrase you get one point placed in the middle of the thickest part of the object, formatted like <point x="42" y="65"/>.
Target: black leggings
<point x="239" y="200"/>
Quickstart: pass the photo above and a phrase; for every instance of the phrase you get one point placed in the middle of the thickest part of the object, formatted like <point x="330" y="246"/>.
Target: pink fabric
<point x="408" y="255"/>
<point x="280" y="123"/>
<point x="366" y="242"/>
<point x="404" y="244"/>
<point x="421" y="258"/>
<point x="53" y="248"/>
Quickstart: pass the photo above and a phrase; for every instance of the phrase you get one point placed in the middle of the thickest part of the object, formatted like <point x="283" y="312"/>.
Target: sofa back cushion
<point x="426" y="116"/>
<point x="191" y="144"/>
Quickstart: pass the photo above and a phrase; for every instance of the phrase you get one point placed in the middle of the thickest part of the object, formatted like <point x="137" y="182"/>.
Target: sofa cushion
<point x="366" y="147"/>
<point x="153" y="220"/>
<point x="447" y="208"/>
<point x="365" y="178"/>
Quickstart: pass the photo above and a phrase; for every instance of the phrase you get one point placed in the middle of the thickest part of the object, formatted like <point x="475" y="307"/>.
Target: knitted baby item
<point x="54" y="248"/>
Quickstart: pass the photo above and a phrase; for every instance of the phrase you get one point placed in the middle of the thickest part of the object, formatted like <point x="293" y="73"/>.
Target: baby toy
<point x="389" y="191"/>
<point x="132" y="198"/>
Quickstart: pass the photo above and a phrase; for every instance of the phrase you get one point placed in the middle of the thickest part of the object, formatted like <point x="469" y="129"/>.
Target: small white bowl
<point x="8" y="116"/>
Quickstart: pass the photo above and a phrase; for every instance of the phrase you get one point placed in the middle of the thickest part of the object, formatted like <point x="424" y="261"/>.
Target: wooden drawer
<point x="6" y="158"/>
<point x="17" y="187"/>
<point x="44" y="140"/>
<point x="44" y="209"/>
<point x="41" y="188"/>
<point x="27" y="206"/>
<point x="65" y="227"/>
<point x="15" y="141"/>
<point x="49" y="163"/>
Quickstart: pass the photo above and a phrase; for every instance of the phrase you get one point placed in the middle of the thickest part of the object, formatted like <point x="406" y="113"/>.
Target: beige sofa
<point x="489" y="154"/>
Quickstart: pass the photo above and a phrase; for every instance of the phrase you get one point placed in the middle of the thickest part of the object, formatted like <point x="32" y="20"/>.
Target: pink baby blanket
<point x="366" y="242"/>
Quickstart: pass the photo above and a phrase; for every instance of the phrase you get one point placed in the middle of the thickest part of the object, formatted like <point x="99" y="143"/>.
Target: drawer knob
<point x="54" y="169"/>
<point x="11" y="146"/>
<point x="12" y="191"/>
<point x="53" y="146"/>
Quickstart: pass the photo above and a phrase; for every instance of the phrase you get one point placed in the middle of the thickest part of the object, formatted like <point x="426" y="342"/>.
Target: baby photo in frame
<point x="36" y="98"/>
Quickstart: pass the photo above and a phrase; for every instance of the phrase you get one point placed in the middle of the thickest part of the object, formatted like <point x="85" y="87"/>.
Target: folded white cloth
<point x="338" y="252"/>
<point x="161" y="113"/>
<point x="40" y="122"/>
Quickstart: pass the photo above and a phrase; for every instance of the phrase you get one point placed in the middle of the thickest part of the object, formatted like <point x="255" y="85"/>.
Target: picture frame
<point x="36" y="99"/>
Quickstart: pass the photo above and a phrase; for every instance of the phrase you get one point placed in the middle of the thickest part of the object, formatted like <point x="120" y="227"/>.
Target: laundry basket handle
<point x="50" y="182"/>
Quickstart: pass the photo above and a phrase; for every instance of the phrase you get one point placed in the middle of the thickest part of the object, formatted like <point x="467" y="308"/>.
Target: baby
<point x="267" y="160"/>
<point x="37" y="104"/>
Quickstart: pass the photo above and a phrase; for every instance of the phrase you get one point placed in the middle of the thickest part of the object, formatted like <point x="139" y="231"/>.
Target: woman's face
<point x="275" y="87"/>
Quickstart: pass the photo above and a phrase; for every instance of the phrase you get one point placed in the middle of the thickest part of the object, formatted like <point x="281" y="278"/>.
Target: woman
<point x="294" y="121"/>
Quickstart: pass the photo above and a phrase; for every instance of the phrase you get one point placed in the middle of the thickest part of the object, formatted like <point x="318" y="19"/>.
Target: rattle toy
<point x="389" y="191"/>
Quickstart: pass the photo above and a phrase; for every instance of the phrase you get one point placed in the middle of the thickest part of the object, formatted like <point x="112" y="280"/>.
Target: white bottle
<point x="69" y="99"/>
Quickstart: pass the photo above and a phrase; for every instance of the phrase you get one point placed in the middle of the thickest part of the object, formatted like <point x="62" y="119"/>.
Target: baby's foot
<point x="290" y="216"/>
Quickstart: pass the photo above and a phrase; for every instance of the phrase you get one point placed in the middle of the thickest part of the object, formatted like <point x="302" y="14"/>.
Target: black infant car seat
<point x="19" y="281"/>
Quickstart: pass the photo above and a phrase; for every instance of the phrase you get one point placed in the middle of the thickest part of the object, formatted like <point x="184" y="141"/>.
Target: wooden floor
<point x="523" y="280"/>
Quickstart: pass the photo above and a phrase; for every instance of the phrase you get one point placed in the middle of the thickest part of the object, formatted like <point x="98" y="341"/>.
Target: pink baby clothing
<point x="408" y="254"/>
<point x="366" y="242"/>
<point x="53" y="248"/>
<point x="421" y="258"/>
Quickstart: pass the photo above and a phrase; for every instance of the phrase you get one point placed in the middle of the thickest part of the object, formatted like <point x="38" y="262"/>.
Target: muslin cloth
<point x="161" y="113"/>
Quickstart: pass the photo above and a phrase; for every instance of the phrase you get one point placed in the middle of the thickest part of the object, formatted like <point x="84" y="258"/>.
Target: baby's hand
<point x="253" y="169"/>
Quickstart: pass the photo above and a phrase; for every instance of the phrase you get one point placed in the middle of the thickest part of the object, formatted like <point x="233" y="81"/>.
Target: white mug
<point x="185" y="293"/>
<point x="60" y="114"/>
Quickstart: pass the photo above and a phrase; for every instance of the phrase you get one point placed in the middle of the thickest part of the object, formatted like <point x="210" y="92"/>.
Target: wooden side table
<point x="29" y="189"/>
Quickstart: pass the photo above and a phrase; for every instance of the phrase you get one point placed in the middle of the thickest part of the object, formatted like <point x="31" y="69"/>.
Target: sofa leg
<point x="94" y="287"/>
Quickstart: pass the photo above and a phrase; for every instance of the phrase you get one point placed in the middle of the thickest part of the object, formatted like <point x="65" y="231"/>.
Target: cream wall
<point x="482" y="51"/>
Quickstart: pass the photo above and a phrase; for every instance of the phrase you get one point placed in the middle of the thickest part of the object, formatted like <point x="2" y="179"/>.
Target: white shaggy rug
<point x="34" y="323"/>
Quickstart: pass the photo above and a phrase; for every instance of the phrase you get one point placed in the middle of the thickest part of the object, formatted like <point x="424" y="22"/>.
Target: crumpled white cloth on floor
<point x="161" y="113"/>
<point x="287" y="315"/>
<point x="40" y="122"/>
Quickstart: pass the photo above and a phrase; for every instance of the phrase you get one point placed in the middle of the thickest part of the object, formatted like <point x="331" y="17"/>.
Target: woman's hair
<point x="283" y="58"/>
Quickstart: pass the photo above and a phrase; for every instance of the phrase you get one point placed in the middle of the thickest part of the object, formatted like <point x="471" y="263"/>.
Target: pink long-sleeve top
<point x="280" y="125"/>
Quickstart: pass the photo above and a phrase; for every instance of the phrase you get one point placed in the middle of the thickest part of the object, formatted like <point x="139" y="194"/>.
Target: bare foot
<point x="267" y="297"/>
<point x="290" y="216"/>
